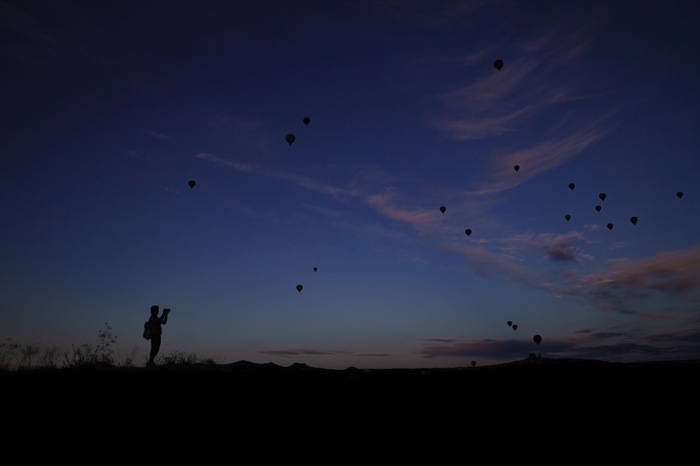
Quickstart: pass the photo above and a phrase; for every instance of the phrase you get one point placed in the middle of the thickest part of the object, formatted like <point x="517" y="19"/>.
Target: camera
<point x="166" y="310"/>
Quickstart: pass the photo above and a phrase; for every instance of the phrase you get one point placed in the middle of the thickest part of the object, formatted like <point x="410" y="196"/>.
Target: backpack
<point x="147" y="330"/>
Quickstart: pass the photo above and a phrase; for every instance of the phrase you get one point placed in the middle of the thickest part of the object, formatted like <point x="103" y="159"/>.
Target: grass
<point x="16" y="356"/>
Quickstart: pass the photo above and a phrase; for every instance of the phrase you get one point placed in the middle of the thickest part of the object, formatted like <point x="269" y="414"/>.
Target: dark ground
<point x="579" y="405"/>
<point x="527" y="376"/>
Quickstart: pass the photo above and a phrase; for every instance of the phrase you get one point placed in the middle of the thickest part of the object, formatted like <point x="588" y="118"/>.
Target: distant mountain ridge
<point x="562" y="363"/>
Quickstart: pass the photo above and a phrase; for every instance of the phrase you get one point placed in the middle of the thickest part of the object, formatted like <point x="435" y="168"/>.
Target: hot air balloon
<point x="634" y="220"/>
<point x="610" y="226"/>
<point x="307" y="120"/>
<point x="572" y="186"/>
<point x="679" y="194"/>
<point x="602" y="196"/>
<point x="498" y="64"/>
<point x="473" y="363"/>
<point x="443" y="209"/>
<point x="315" y="269"/>
<point x="516" y="167"/>
<point x="290" y="138"/>
<point x="515" y="327"/>
<point x="567" y="217"/>
<point x="537" y="339"/>
<point x="191" y="183"/>
<point x="509" y="323"/>
<point x="299" y="288"/>
<point x="597" y="208"/>
<point x="468" y="231"/>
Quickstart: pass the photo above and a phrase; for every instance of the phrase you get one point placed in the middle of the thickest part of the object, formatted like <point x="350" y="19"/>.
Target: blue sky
<point x="109" y="109"/>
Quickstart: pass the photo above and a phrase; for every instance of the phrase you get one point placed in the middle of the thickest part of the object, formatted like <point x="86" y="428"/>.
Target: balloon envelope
<point x="516" y="167"/>
<point x="610" y="226"/>
<point x="191" y="183"/>
<point x="473" y="363"/>
<point x="537" y="339"/>
<point x="443" y="209"/>
<point x="307" y="120"/>
<point x="572" y="186"/>
<point x="468" y="231"/>
<point x="515" y="327"/>
<point x="509" y="323"/>
<point x="299" y="288"/>
<point x="679" y="194"/>
<point x="602" y="196"/>
<point x="498" y="64"/>
<point x="567" y="217"/>
<point x="315" y="269"/>
<point x="290" y="138"/>
<point x="634" y="220"/>
<point x="597" y="208"/>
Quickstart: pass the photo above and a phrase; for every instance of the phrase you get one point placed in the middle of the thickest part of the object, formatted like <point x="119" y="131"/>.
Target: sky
<point x="109" y="109"/>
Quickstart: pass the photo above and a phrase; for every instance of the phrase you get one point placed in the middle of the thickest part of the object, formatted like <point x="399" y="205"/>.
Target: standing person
<point x="155" y="324"/>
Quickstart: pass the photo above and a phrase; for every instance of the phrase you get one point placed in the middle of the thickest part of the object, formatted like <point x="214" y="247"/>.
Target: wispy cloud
<point x="241" y="167"/>
<point x="507" y="349"/>
<point x="534" y="160"/>
<point x="620" y="288"/>
<point x="305" y="352"/>
<point x="549" y="153"/>
<point x="386" y="202"/>
<point x="624" y="287"/>
<point x="157" y="135"/>
<point x="628" y="283"/>
<point x="536" y="79"/>
<point x="566" y="247"/>
<point x="497" y="265"/>
<point x="616" y="346"/>
<point x="668" y="272"/>
<point x="301" y="181"/>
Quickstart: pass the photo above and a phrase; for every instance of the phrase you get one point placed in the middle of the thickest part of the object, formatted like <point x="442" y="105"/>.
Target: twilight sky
<point x="110" y="108"/>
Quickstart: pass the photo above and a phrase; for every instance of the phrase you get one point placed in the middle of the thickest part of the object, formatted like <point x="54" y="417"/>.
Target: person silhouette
<point x="155" y="322"/>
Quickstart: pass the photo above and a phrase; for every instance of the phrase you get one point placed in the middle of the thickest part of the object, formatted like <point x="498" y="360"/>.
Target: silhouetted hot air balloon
<point x="468" y="231"/>
<point x="191" y="183"/>
<point x="307" y="120"/>
<point x="679" y="194"/>
<point x="515" y="327"/>
<point x="498" y="64"/>
<point x="597" y="208"/>
<point x="610" y="226"/>
<point x="602" y="196"/>
<point x="516" y="167"/>
<point x="634" y="220"/>
<point x="315" y="269"/>
<point x="299" y="288"/>
<point x="567" y="217"/>
<point x="473" y="363"/>
<point x="572" y="186"/>
<point x="537" y="339"/>
<point x="443" y="209"/>
<point x="509" y="323"/>
<point x="290" y="138"/>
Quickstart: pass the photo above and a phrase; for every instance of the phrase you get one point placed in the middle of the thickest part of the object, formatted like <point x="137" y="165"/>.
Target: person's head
<point x="154" y="310"/>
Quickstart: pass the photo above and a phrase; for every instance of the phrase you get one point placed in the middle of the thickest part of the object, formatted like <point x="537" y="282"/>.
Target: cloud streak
<point x="495" y="104"/>
<point x="628" y="283"/>
<point x="614" y="346"/>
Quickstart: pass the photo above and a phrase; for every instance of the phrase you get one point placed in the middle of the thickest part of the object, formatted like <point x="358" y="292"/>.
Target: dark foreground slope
<point x="514" y="411"/>
<point x="570" y="376"/>
<point x="452" y="407"/>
